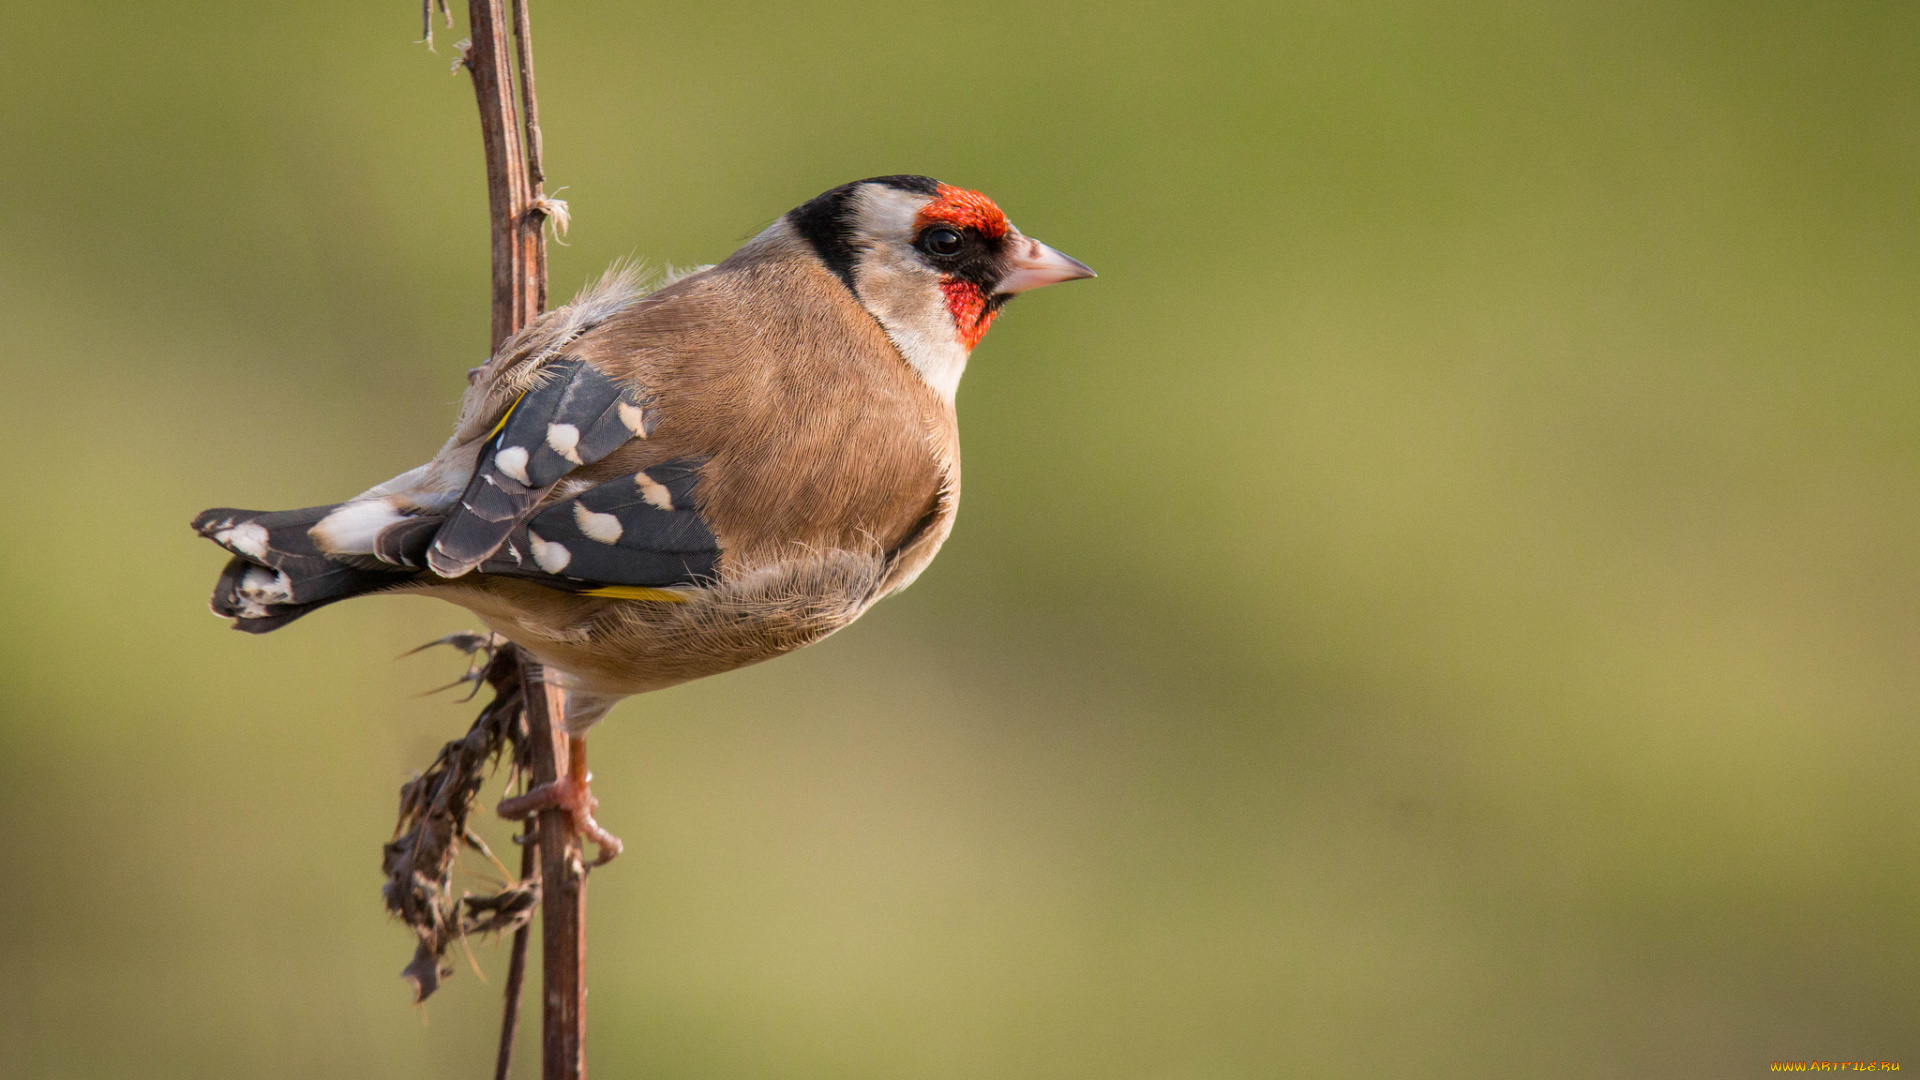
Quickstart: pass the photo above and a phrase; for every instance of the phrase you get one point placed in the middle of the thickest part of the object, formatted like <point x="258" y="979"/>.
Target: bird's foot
<point x="574" y="794"/>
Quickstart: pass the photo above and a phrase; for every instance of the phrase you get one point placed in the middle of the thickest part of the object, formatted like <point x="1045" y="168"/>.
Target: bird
<point x="652" y="485"/>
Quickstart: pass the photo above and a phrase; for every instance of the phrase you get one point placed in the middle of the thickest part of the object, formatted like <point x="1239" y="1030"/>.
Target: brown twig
<point x="518" y="210"/>
<point x="563" y="878"/>
<point x="516" y="965"/>
<point x="519" y="247"/>
<point x="426" y="19"/>
<point x="543" y="208"/>
<point x="529" y="101"/>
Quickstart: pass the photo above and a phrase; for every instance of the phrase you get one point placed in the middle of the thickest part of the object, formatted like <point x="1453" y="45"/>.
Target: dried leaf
<point x="432" y="827"/>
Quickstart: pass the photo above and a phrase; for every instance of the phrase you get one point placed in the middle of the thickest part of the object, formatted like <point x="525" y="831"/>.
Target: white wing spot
<point x="513" y="462"/>
<point x="635" y="418"/>
<point x="653" y="491"/>
<point x="249" y="538"/>
<point x="602" y="527"/>
<point x="552" y="558"/>
<point x="564" y="438"/>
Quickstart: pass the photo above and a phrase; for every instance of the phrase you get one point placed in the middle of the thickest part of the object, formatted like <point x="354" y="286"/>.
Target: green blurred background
<point x="1443" y="603"/>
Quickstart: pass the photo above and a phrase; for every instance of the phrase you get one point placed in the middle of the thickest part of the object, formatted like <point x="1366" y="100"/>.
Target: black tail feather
<point x="277" y="574"/>
<point x="405" y="542"/>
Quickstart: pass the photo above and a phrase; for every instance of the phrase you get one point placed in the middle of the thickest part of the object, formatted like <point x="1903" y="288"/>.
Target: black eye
<point x="941" y="240"/>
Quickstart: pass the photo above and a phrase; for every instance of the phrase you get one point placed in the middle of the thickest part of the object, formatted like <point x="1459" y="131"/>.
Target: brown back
<point x="818" y="434"/>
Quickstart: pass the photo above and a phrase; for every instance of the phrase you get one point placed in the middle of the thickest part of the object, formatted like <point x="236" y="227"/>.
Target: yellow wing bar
<point x="637" y="592"/>
<point x="505" y="416"/>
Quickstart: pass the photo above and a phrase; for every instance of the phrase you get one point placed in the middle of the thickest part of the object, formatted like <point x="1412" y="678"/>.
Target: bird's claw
<point x="576" y="798"/>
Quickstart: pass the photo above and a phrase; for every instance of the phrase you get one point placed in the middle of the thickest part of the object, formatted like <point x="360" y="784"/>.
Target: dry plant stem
<point x="563" y="879"/>
<point x="529" y="101"/>
<point x="516" y="966"/>
<point x="426" y="19"/>
<point x="519" y="258"/>
<point x="519" y="294"/>
<point x="535" y="217"/>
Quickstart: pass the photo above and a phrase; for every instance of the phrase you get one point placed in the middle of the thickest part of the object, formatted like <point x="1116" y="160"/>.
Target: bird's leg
<point x="572" y="793"/>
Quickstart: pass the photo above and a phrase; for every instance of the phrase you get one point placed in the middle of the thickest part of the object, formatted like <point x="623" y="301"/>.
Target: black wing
<point x="577" y="416"/>
<point x="641" y="530"/>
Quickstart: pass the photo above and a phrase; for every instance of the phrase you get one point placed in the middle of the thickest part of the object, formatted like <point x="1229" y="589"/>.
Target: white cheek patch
<point x="902" y="292"/>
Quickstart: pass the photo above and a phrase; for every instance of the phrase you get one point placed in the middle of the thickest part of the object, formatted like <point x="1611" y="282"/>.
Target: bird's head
<point x="932" y="262"/>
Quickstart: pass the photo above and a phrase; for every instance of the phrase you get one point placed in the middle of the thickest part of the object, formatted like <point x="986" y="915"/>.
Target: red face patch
<point x="963" y="209"/>
<point x="969" y="307"/>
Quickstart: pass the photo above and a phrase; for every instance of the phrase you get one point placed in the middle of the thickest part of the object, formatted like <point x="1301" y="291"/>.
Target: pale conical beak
<point x="1036" y="264"/>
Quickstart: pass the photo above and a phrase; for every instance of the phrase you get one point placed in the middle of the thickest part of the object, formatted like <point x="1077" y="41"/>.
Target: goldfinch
<point x="645" y="488"/>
